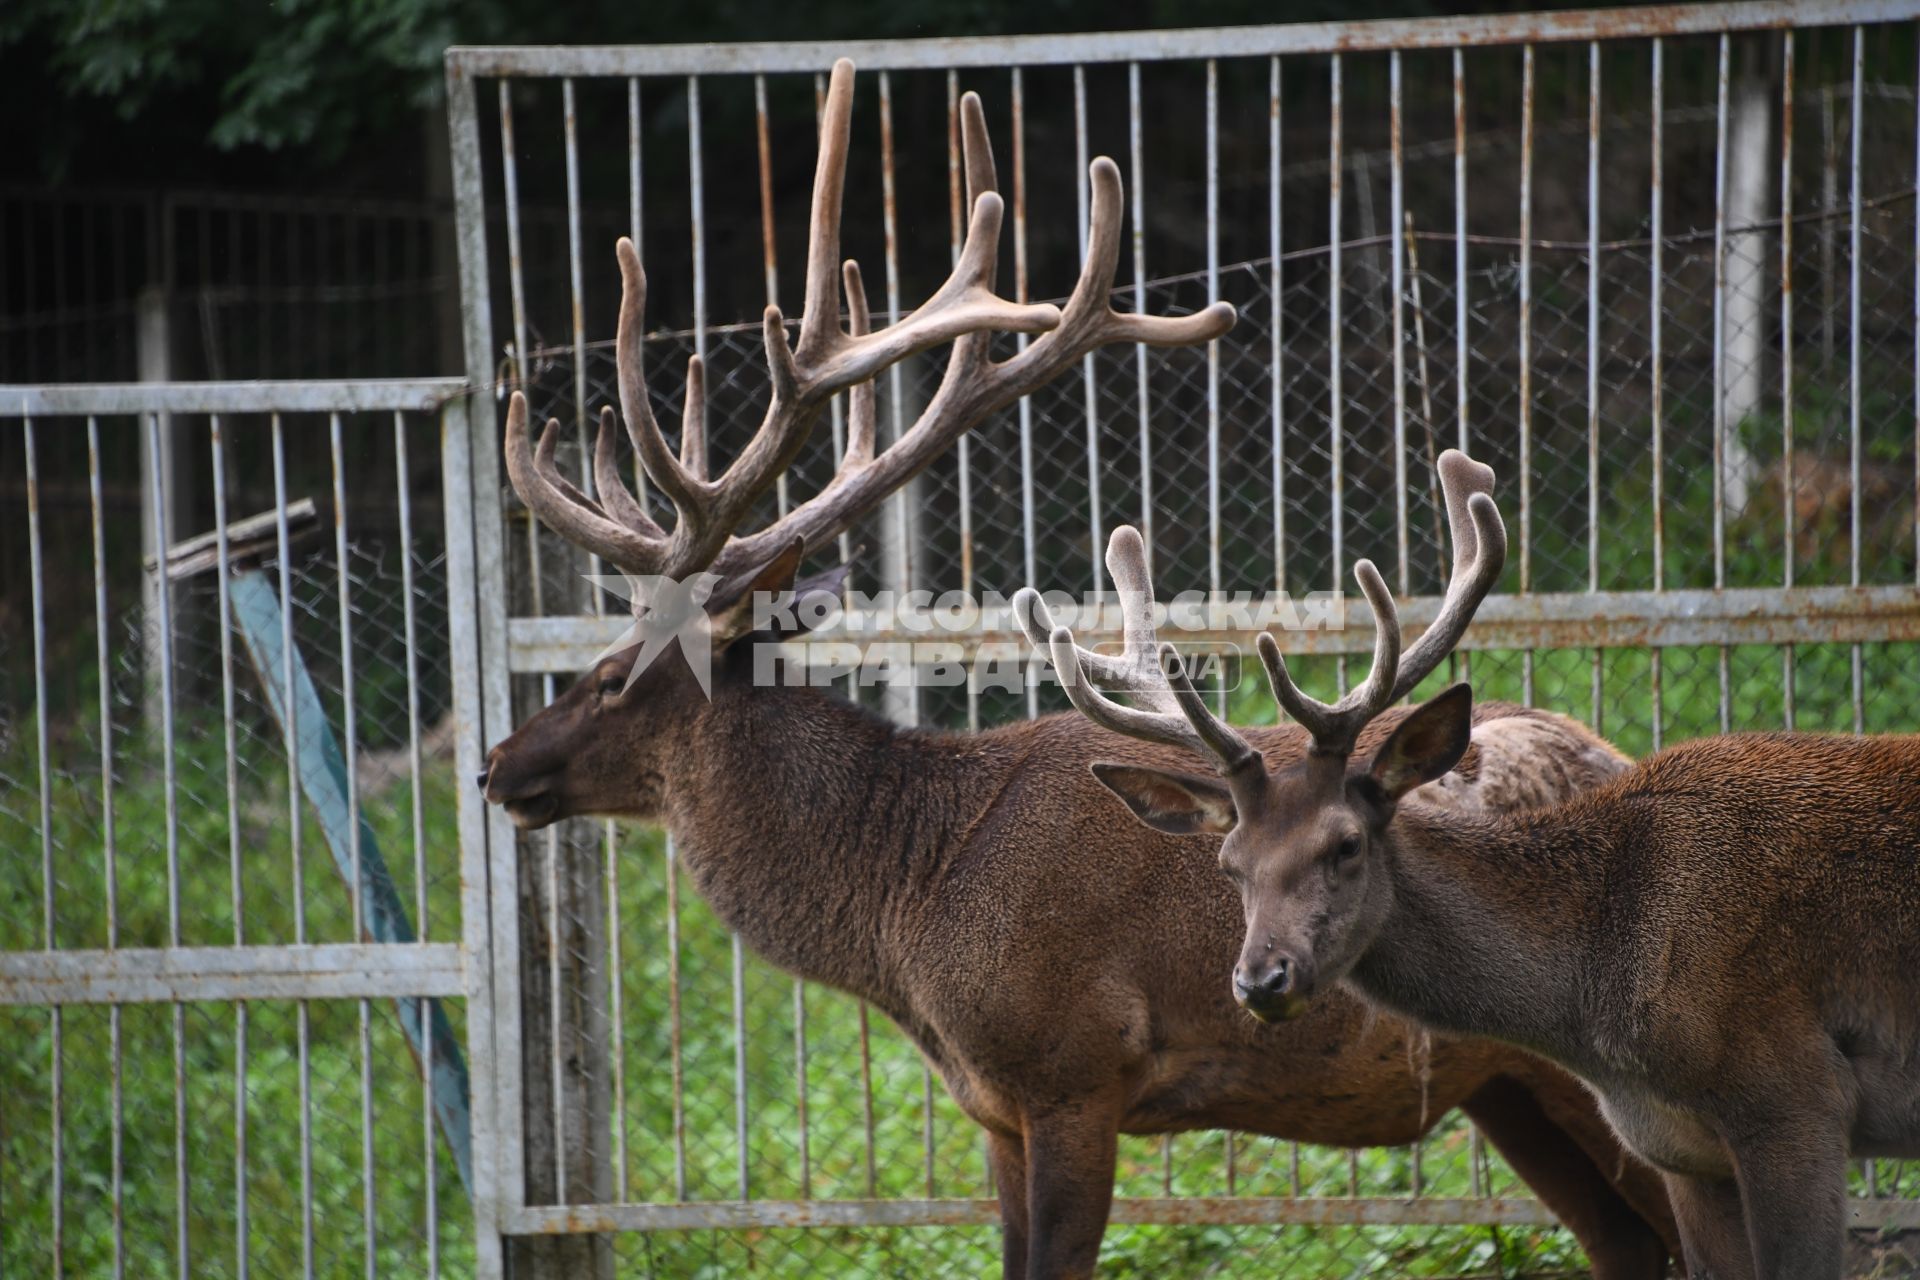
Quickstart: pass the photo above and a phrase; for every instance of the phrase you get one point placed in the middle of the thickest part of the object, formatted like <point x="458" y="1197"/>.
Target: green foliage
<point x="300" y="73"/>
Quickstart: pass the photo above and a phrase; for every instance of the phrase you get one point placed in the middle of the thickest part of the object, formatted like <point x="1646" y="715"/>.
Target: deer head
<point x="596" y="749"/>
<point x="1304" y="845"/>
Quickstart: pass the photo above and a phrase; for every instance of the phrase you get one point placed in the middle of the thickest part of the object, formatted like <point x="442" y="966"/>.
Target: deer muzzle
<point x="1274" y="988"/>
<point x="530" y="801"/>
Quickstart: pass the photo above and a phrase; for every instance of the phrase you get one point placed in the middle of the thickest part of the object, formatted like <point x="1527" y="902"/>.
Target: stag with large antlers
<point x="1724" y="941"/>
<point x="1058" y="973"/>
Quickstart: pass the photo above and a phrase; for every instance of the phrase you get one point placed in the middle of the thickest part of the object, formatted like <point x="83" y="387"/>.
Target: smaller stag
<point x="1723" y="942"/>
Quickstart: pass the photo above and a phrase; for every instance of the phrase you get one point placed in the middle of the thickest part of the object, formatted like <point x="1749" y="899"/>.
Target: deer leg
<point x="1571" y="1106"/>
<point x="1620" y="1244"/>
<point x="1070" y="1162"/>
<point x="1008" y="1155"/>
<point x="1712" y="1228"/>
<point x="1793" y="1188"/>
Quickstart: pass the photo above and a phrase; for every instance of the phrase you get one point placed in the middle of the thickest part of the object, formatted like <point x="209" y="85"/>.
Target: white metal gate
<point x="1647" y="345"/>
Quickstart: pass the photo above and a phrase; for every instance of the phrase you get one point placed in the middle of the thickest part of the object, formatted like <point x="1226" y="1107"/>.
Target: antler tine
<point x="1229" y="750"/>
<point x="1167" y="708"/>
<point x="1089" y="320"/>
<point x="862" y="409"/>
<point x="1479" y="554"/>
<point x="820" y="322"/>
<point x="564" y="509"/>
<point x="1136" y="671"/>
<point x="680" y="487"/>
<point x="550" y="470"/>
<point x="1336" y="727"/>
<point x="1169" y="727"/>
<point x="693" y="420"/>
<point x="615" y="498"/>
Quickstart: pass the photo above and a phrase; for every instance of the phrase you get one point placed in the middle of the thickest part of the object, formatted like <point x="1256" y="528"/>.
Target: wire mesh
<point x="1662" y="412"/>
<point x="253" y="1137"/>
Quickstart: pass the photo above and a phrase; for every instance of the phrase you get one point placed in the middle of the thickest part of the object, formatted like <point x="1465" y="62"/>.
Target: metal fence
<point x="231" y="930"/>
<point x="1657" y="266"/>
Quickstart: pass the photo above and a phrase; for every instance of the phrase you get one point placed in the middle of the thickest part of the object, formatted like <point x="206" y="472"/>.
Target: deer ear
<point x="1426" y="744"/>
<point x="731" y="606"/>
<point x="1180" y="804"/>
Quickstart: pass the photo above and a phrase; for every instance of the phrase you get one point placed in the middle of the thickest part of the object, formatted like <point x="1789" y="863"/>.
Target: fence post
<point x="1750" y="159"/>
<point x="154" y="348"/>
<point x="566" y="1031"/>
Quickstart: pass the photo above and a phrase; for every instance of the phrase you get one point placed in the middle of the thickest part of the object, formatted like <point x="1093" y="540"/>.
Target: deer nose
<point x="480" y="778"/>
<point x="1275" y="981"/>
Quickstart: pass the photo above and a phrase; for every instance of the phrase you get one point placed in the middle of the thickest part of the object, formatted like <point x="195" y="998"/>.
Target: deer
<point x="1722" y="941"/>
<point x="1058" y="974"/>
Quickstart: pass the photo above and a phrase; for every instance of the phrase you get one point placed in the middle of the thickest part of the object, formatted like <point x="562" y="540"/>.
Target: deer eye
<point x="612" y="686"/>
<point x="1346" y="851"/>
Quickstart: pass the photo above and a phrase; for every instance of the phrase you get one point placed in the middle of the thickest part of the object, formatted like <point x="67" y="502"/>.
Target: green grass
<point x="839" y="1153"/>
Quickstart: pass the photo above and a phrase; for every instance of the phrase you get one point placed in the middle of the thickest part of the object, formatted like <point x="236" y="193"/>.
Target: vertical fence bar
<point x="1336" y="450"/>
<point x="1213" y="347"/>
<point x="349" y="745"/>
<point x="738" y="971"/>
<point x="1137" y="184"/>
<point x="1276" y="324"/>
<point x="866" y="1098"/>
<point x="1720" y="356"/>
<point x="1786" y="355"/>
<point x="904" y="705"/>
<point x="697" y="200"/>
<point x="1526" y="348"/>
<point x="957" y="212"/>
<point x="963" y="460"/>
<point x="576" y="297"/>
<point x="769" y="262"/>
<point x="417" y="815"/>
<point x="477" y="571"/>
<point x="1656" y="384"/>
<point x="1593" y="351"/>
<point x="1853" y="357"/>
<point x="1460" y="345"/>
<point x="225" y="615"/>
<point x="108" y="844"/>
<point x="56" y="1017"/>
<point x="163" y="597"/>
<point x="283" y="552"/>
<point x="1397" y="206"/>
<point x="1097" y="541"/>
<point x="510" y="198"/>
<point x="674" y="1028"/>
<point x="1027" y="544"/>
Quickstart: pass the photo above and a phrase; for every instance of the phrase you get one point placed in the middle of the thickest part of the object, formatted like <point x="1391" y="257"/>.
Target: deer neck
<point x="1490" y="930"/>
<point x="811" y="827"/>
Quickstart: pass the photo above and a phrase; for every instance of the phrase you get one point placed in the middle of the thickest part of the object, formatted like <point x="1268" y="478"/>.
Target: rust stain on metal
<point x="766" y="183"/>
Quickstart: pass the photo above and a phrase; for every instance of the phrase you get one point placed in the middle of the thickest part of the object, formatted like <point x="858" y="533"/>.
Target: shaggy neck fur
<point x="814" y="829"/>
<point x="1490" y="928"/>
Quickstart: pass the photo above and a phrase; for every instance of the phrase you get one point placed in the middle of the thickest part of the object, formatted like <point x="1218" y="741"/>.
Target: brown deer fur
<point x="1724" y="942"/>
<point x="1066" y="977"/>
